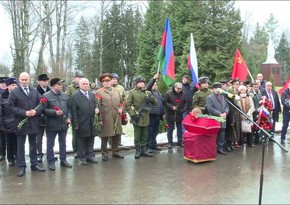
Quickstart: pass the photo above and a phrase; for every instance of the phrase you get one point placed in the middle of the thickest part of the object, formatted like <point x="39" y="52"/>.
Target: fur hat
<point x="10" y="81"/>
<point x="105" y="76"/>
<point x="54" y="81"/>
<point x="42" y="77"/>
<point x="217" y="85"/>
<point x="139" y="79"/>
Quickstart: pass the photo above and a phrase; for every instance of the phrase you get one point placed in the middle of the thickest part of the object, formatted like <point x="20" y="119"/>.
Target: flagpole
<point x="158" y="68"/>
<point x="251" y="75"/>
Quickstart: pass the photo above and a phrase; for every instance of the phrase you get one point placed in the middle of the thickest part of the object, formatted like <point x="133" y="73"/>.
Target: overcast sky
<point x="251" y="11"/>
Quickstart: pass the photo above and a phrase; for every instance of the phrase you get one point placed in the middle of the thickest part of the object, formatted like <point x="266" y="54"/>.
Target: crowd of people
<point x="28" y="111"/>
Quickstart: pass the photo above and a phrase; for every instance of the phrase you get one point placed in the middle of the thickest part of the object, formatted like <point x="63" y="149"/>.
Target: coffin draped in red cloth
<point x="200" y="140"/>
<point x="199" y="148"/>
<point x="201" y="125"/>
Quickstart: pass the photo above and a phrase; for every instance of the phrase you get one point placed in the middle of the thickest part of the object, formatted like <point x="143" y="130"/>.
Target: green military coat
<point x="199" y="98"/>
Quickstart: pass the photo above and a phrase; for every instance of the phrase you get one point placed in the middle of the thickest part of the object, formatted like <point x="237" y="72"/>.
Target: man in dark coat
<point x="217" y="106"/>
<point x="7" y="121"/>
<point x="272" y="95"/>
<point x="23" y="100"/>
<point x="42" y="88"/>
<point x="83" y="109"/>
<point x="175" y="104"/>
<point x="2" y="133"/>
<point x="285" y="100"/>
<point x="58" y="118"/>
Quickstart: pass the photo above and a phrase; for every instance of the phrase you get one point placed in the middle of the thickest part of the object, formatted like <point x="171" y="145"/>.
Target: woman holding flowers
<point x="24" y="102"/>
<point x="111" y="107"/>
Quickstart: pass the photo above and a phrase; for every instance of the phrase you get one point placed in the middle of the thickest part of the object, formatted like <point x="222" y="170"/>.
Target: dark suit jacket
<point x="19" y="103"/>
<point x="277" y="108"/>
<point x="83" y="114"/>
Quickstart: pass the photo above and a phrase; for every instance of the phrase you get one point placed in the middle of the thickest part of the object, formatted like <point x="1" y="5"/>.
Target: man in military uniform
<point x="137" y="105"/>
<point x="121" y="89"/>
<point x="199" y="98"/>
<point x="72" y="89"/>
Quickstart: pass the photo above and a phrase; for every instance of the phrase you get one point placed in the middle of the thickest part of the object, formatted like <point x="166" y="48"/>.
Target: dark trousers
<point x="104" y="146"/>
<point x="153" y="130"/>
<point x="50" y="136"/>
<point x="140" y="135"/>
<point x="74" y="141"/>
<point x="39" y="139"/>
<point x="21" y="150"/>
<point x="221" y="138"/>
<point x="286" y="119"/>
<point x="170" y="132"/>
<point x="2" y="143"/>
<point x="11" y="146"/>
<point x="85" y="147"/>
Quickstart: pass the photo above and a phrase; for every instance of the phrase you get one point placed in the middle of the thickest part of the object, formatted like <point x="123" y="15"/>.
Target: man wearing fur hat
<point x="137" y="105"/>
<point x="7" y="121"/>
<point x="58" y="118"/>
<point x="42" y="88"/>
<point x="72" y="89"/>
<point x="200" y="96"/>
<point x="111" y="107"/>
<point x="216" y="105"/>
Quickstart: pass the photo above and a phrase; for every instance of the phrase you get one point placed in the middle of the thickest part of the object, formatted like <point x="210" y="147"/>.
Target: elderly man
<point x="111" y="107"/>
<point x="217" y="106"/>
<point x="83" y="109"/>
<point x="23" y="100"/>
<point x="272" y="95"/>
<point x="58" y="118"/>
<point x="72" y="89"/>
<point x="175" y="104"/>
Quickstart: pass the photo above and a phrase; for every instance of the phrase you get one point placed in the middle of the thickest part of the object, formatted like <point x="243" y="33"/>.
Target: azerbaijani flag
<point x="192" y="62"/>
<point x="166" y="55"/>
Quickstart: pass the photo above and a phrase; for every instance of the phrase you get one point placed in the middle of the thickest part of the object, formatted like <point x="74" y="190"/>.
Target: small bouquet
<point x="96" y="121"/>
<point x="56" y="108"/>
<point x="22" y="122"/>
<point x="123" y="116"/>
<point x="264" y="118"/>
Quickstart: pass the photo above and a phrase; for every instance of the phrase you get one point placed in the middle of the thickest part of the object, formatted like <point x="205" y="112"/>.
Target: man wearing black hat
<point x="23" y="100"/>
<point x="216" y="105"/>
<point x="188" y="90"/>
<point x="58" y="118"/>
<point x="2" y="84"/>
<point x="42" y="88"/>
<point x="7" y="123"/>
<point x="72" y="89"/>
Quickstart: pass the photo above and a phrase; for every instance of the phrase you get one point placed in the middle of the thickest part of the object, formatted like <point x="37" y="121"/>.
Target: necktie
<point x="272" y="99"/>
<point x="26" y="91"/>
<point x="87" y="95"/>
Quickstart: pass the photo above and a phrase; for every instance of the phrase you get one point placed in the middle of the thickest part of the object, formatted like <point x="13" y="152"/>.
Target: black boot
<point x="145" y="152"/>
<point x="138" y="151"/>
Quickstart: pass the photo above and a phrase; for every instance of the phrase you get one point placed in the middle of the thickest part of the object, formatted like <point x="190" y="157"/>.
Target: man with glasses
<point x="175" y="104"/>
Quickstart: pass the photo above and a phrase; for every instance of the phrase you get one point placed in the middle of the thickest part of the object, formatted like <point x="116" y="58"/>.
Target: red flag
<point x="240" y="69"/>
<point x="285" y="86"/>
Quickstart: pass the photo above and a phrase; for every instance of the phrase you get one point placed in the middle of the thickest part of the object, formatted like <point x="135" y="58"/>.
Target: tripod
<point x="264" y="139"/>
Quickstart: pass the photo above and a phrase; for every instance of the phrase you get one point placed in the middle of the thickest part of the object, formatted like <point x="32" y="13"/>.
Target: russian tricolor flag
<point x="192" y="62"/>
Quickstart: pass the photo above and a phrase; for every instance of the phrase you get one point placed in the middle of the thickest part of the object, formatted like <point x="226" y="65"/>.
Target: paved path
<point x="164" y="179"/>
